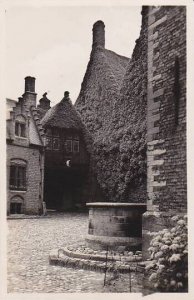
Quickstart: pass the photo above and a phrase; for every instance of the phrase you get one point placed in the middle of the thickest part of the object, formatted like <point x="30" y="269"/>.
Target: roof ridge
<point x="63" y="114"/>
<point x="38" y="124"/>
<point x="119" y="55"/>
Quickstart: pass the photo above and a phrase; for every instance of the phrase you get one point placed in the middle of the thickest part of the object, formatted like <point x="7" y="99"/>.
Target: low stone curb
<point x="91" y="265"/>
<point x="97" y="257"/>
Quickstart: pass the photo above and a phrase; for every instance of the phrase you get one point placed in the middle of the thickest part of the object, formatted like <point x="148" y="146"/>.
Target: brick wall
<point x="166" y="115"/>
<point x="26" y="150"/>
<point x="33" y="196"/>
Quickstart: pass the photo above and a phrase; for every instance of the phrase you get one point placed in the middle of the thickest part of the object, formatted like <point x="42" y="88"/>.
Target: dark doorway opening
<point x="63" y="189"/>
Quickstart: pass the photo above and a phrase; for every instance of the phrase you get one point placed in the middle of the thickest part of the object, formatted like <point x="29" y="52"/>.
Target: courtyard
<point x="30" y="242"/>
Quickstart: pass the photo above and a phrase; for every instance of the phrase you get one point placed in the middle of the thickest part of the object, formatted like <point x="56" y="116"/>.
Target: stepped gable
<point x="10" y="104"/>
<point x="14" y="108"/>
<point x="62" y="115"/>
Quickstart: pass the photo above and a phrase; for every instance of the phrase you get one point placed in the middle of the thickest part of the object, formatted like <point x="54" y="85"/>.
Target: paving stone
<point x="30" y="242"/>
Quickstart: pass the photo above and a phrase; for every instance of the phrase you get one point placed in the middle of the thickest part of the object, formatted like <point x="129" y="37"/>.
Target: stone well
<point x="117" y="226"/>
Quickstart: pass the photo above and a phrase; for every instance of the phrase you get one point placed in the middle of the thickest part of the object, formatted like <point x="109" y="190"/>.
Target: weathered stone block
<point x="121" y="220"/>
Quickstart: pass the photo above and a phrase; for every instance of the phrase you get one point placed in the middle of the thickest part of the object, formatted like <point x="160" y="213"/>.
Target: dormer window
<point x="20" y="126"/>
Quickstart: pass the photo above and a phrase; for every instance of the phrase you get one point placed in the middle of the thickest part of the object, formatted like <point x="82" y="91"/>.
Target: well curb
<point x="87" y="262"/>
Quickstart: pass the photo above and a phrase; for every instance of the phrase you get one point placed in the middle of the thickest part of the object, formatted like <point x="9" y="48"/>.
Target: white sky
<point x="54" y="44"/>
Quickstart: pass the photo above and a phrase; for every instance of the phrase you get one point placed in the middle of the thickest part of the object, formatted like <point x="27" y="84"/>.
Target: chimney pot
<point x="98" y="34"/>
<point x="30" y="84"/>
<point x="66" y="95"/>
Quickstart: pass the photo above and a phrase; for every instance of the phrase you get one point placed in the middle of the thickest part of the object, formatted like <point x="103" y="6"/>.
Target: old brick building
<point x="47" y="158"/>
<point x="166" y="115"/>
<point x="25" y="154"/>
<point x="66" y="158"/>
<point x="135" y="111"/>
<point x="133" y="124"/>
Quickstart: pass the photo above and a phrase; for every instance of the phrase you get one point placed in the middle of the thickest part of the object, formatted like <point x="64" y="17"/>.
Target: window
<point x="20" y="129"/>
<point x="76" y="146"/>
<point x="18" y="177"/>
<point x="56" y="144"/>
<point x="16" y="205"/>
<point x="49" y="143"/>
<point x="16" y="208"/>
<point x="20" y="126"/>
<point x="69" y="146"/>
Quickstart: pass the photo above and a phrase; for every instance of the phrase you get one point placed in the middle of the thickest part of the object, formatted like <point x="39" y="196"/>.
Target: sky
<point x="54" y="43"/>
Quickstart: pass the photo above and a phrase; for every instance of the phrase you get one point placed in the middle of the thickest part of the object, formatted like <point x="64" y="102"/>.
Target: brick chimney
<point x="98" y="34"/>
<point x="29" y="93"/>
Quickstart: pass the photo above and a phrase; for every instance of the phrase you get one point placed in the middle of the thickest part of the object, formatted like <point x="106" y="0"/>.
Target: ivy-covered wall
<point x="112" y="105"/>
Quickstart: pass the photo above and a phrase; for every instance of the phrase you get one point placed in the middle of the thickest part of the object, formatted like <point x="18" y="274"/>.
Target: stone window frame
<point x="20" y="126"/>
<point x="18" y="175"/>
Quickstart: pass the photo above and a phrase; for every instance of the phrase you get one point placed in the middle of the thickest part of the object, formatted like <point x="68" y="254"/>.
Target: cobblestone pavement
<point x="29" y="244"/>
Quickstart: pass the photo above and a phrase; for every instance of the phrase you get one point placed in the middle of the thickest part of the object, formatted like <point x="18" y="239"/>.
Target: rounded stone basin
<point x="115" y="225"/>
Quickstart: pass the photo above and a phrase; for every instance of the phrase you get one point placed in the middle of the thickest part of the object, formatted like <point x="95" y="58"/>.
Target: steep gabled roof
<point x="117" y="64"/>
<point x="108" y="103"/>
<point x="62" y="115"/>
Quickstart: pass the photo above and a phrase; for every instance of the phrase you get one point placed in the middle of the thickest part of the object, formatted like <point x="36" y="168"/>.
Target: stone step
<point x="59" y="258"/>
